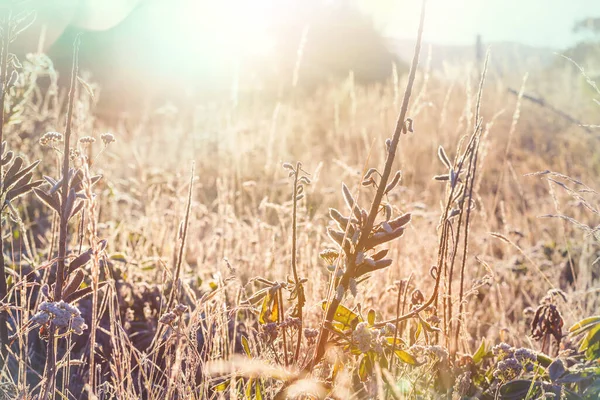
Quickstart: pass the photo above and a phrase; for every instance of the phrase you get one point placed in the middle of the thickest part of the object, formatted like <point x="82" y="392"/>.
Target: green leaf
<point x="221" y="387"/>
<point x="270" y="308"/>
<point x="399" y="341"/>
<point x="556" y="369"/>
<point x="371" y="317"/>
<point x="515" y="390"/>
<point x="480" y="353"/>
<point x="121" y="257"/>
<point x="249" y="389"/>
<point x="344" y="316"/>
<point x="258" y="391"/>
<point x="365" y="368"/>
<point x="584" y="325"/>
<point x="418" y="331"/>
<point x="406" y="357"/>
<point x="245" y="345"/>
<point x="592" y="337"/>
<point x="544" y="360"/>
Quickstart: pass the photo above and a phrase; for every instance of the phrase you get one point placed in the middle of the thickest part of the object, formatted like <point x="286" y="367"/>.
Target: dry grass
<point x="211" y="285"/>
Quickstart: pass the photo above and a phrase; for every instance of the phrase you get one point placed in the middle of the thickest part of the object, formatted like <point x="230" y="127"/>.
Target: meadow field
<point x="430" y="236"/>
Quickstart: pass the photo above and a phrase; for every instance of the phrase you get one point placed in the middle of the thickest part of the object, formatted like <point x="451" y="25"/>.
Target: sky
<point x="542" y="23"/>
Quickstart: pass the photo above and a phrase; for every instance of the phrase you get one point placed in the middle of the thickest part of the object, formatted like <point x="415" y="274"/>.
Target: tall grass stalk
<point x="376" y="203"/>
<point x="3" y="286"/>
<point x="63" y="235"/>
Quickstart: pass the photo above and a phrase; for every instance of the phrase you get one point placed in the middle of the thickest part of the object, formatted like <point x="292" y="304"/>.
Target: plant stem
<point x="3" y="285"/>
<point x="50" y="368"/>
<point x="366" y="229"/>
<point x="64" y="218"/>
<point x="298" y="286"/>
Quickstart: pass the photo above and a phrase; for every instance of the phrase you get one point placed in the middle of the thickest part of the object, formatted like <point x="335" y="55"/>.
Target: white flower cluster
<point x="437" y="354"/>
<point x="367" y="339"/>
<point x="62" y="315"/>
<point x="512" y="361"/>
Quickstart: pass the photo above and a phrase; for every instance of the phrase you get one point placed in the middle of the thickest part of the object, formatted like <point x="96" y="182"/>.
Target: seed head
<point x="86" y="140"/>
<point x="50" y="138"/>
<point x="107" y="138"/>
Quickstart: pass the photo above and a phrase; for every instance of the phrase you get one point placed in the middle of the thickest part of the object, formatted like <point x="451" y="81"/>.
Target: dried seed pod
<point x="400" y="221"/>
<point x="383" y="237"/>
<point x="368" y="182"/>
<point x="386" y="227"/>
<point x="370" y="172"/>
<point x="388" y="144"/>
<point x="287" y="165"/>
<point x="305" y="180"/>
<point x="373" y="266"/>
<point x="388" y="211"/>
<point x="441" y="177"/>
<point x="350" y="202"/>
<point x="380" y="254"/>
<point x="394" y="182"/>
<point x="337" y="236"/>
<point x="443" y="157"/>
<point x="339" y="218"/>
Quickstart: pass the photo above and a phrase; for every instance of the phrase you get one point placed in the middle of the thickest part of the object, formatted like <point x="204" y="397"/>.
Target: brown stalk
<point x="298" y="285"/>
<point x="3" y="286"/>
<point x="366" y="230"/>
<point x="50" y="368"/>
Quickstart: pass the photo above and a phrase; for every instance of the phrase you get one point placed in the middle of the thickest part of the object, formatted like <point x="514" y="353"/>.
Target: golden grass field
<point x="199" y="266"/>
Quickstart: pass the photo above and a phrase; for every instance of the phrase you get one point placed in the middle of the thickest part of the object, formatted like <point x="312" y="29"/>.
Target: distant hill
<point x="506" y="58"/>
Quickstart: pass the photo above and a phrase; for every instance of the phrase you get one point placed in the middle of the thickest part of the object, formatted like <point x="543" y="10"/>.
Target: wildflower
<point x="463" y="384"/>
<point x="168" y="318"/>
<point x="179" y="309"/>
<point x="291" y="322"/>
<point x="270" y="331"/>
<point x="62" y="315"/>
<point x="86" y="140"/>
<point x="438" y="352"/>
<point x="107" y="138"/>
<point x="503" y="350"/>
<point x="362" y="336"/>
<point x="311" y="333"/>
<point x="525" y="356"/>
<point x="377" y="343"/>
<point x="508" y="369"/>
<point x="389" y="329"/>
<point x="50" y="138"/>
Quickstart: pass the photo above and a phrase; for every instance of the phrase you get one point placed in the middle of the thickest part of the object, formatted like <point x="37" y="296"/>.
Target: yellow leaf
<point x="406" y="357"/>
<point x="221" y="387"/>
<point x="270" y="308"/>
<point x="345" y="317"/>
<point x="245" y="345"/>
<point x="371" y="317"/>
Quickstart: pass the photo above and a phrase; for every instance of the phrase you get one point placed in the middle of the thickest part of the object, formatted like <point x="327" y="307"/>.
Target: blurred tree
<point x="327" y="40"/>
